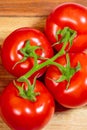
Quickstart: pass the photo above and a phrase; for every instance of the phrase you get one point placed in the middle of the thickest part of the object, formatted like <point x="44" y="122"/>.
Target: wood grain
<point x="33" y="13"/>
<point x="31" y="7"/>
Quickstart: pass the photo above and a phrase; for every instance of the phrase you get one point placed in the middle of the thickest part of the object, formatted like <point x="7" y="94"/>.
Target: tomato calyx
<point x="67" y="35"/>
<point x="28" y="93"/>
<point x="67" y="71"/>
<point x="28" y="51"/>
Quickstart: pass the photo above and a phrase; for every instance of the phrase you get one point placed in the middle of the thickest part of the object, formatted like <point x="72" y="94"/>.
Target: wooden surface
<point x="33" y="13"/>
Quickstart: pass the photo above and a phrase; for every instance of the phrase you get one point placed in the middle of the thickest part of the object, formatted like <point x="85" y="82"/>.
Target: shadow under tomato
<point x="60" y="108"/>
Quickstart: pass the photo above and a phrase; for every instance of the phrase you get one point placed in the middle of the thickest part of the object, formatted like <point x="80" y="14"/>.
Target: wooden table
<point x="33" y="13"/>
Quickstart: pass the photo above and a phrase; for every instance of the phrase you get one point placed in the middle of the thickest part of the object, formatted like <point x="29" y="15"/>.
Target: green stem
<point x="29" y="51"/>
<point x="44" y="64"/>
<point x="67" y="37"/>
<point x="29" y="94"/>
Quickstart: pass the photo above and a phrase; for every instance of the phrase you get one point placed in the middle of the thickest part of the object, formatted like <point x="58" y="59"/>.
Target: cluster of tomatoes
<point x="28" y="102"/>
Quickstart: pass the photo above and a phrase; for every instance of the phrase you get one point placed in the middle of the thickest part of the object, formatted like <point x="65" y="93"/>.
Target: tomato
<point x="23" y="114"/>
<point x="12" y="56"/>
<point x="70" y="15"/>
<point x="76" y="93"/>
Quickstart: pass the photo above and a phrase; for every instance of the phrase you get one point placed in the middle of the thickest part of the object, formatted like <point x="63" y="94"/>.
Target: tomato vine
<point x="67" y="36"/>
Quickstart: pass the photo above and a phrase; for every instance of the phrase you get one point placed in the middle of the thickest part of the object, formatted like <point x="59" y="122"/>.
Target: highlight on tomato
<point x="65" y="16"/>
<point x="26" y="106"/>
<point x="24" y="48"/>
<point x="67" y="81"/>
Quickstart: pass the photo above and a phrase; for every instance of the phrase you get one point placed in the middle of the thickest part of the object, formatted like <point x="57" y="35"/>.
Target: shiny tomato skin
<point x="22" y="114"/>
<point x="76" y="94"/>
<point x="15" y="41"/>
<point x="71" y="15"/>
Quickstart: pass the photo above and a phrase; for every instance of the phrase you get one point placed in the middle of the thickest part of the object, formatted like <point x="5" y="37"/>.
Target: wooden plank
<point x="9" y="24"/>
<point x="31" y="7"/>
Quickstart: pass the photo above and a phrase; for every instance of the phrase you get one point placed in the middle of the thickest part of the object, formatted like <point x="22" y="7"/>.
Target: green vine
<point x="67" y="37"/>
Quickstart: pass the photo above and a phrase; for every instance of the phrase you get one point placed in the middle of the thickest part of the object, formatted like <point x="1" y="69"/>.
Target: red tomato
<point x="17" y="40"/>
<point x="76" y="94"/>
<point x="23" y="114"/>
<point x="70" y="15"/>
